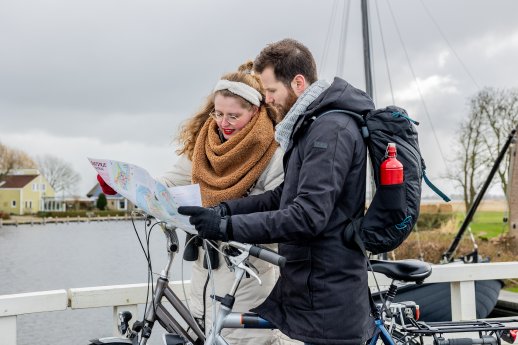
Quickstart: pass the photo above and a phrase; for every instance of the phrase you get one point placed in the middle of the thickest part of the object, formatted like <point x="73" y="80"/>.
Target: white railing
<point x="127" y="297"/>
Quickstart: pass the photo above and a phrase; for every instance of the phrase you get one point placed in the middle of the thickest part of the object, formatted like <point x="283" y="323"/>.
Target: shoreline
<point x="32" y="220"/>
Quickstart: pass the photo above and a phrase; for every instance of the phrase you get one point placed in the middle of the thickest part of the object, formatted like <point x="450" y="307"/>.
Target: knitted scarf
<point x="228" y="170"/>
<point x="285" y="127"/>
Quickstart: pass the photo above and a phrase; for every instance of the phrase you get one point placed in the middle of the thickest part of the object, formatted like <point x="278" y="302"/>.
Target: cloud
<point x="494" y="45"/>
<point x="432" y="85"/>
<point x="155" y="158"/>
<point x="443" y="58"/>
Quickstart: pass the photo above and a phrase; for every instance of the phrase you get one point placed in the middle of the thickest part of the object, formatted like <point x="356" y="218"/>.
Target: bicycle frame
<point x="157" y="312"/>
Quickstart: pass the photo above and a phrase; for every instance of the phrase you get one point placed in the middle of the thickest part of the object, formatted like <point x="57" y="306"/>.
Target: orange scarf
<point x="228" y="170"/>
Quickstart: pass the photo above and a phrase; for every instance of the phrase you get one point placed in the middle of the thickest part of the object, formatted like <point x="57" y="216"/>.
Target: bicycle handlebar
<point x="261" y="253"/>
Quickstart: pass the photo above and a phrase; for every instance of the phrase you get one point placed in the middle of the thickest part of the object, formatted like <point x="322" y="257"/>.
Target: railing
<point x="127" y="297"/>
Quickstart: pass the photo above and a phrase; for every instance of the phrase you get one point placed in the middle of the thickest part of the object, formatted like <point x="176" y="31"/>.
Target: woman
<point x="228" y="148"/>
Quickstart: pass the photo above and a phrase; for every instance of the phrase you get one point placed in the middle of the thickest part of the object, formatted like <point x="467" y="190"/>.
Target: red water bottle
<point x="391" y="170"/>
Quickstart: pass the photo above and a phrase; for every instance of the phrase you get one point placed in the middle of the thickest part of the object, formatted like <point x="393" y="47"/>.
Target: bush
<point x="432" y="244"/>
<point x="430" y="221"/>
<point x="4" y="215"/>
<point x="101" y="202"/>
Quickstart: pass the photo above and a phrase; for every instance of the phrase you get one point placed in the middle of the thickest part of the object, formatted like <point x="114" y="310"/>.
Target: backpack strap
<point x="357" y="117"/>
<point x="434" y="188"/>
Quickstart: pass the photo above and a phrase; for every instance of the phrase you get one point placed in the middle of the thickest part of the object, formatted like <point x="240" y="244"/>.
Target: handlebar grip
<point x="268" y="255"/>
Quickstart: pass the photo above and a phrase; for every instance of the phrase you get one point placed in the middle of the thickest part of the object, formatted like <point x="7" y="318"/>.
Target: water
<point x="63" y="256"/>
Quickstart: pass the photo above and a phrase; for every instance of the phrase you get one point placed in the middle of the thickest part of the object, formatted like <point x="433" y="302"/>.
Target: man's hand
<point x="208" y="222"/>
<point x="105" y="187"/>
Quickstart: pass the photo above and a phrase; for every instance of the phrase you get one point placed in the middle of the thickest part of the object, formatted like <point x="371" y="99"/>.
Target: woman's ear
<point x="255" y="110"/>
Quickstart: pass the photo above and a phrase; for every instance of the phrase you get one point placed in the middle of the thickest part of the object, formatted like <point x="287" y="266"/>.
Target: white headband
<point x="241" y="89"/>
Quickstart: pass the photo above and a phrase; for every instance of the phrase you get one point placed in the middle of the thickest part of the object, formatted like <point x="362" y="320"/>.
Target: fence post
<point x="463" y="300"/>
<point x="8" y="330"/>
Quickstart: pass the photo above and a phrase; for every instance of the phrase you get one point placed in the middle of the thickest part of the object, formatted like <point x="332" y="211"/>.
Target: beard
<point x="290" y="100"/>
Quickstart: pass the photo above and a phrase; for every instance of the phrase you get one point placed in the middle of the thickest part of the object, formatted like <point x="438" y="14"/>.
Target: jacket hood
<point x="344" y="96"/>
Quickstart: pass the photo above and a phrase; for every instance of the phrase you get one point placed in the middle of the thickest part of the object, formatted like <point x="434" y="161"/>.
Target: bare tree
<point x="471" y="158"/>
<point x="58" y="173"/>
<point x="499" y="112"/>
<point x="493" y="114"/>
<point x="11" y="158"/>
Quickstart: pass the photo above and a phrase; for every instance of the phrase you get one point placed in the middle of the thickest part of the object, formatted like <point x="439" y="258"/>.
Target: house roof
<point x="96" y="190"/>
<point x="16" y="181"/>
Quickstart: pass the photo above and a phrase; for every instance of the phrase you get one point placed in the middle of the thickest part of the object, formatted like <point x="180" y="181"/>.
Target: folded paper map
<point x="151" y="196"/>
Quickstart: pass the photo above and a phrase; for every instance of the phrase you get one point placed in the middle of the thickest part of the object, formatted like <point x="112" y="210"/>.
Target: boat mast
<point x="368" y="73"/>
<point x="366" y="48"/>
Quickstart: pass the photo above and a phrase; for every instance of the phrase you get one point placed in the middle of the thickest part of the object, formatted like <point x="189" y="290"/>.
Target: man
<point x="321" y="296"/>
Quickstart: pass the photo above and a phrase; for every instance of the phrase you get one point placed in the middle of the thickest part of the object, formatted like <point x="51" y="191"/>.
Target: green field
<point x="486" y="224"/>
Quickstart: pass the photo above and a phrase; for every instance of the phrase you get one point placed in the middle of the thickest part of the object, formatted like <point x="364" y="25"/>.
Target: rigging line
<point x="343" y="41"/>
<point x="384" y="51"/>
<point x="450" y="46"/>
<point x="328" y="37"/>
<point x="417" y="85"/>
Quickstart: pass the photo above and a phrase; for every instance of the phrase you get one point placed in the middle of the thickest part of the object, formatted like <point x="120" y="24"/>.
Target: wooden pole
<point x="513" y="194"/>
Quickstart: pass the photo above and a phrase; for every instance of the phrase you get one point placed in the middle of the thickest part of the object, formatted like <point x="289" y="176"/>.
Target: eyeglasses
<point x="231" y="118"/>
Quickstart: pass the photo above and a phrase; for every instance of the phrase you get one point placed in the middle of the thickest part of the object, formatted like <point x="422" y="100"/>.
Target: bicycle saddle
<point x="405" y="270"/>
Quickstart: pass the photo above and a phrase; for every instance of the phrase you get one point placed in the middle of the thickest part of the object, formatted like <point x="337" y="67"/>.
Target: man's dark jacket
<point x="322" y="294"/>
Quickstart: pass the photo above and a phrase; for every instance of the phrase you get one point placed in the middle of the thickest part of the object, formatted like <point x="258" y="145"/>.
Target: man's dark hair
<point x="288" y="58"/>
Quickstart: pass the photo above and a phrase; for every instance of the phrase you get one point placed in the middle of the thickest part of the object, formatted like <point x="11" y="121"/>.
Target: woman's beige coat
<point x="249" y="293"/>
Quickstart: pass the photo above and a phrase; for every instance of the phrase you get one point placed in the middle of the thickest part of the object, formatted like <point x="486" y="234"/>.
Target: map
<point x="136" y="184"/>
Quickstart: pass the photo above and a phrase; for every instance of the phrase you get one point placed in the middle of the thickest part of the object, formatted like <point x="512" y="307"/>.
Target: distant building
<point x="115" y="202"/>
<point x="68" y="203"/>
<point x="24" y="191"/>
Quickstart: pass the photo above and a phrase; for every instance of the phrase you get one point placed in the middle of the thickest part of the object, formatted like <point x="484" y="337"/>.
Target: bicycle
<point x="398" y="322"/>
<point x="178" y="334"/>
<point x="395" y="323"/>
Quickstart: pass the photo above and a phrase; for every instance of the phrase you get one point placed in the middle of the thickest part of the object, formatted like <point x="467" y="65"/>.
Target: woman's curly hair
<point x="190" y="129"/>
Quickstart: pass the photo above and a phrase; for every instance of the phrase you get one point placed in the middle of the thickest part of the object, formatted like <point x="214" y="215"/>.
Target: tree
<point x="13" y="159"/>
<point x="58" y="173"/>
<point x="470" y="158"/>
<point x="493" y="114"/>
<point x="101" y="202"/>
<point x="499" y="112"/>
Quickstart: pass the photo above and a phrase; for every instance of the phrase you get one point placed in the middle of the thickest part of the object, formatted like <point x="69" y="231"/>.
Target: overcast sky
<point x="114" y="79"/>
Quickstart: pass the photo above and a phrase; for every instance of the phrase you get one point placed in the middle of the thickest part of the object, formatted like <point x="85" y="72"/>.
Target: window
<point x="30" y="204"/>
<point x="122" y="204"/>
<point x="34" y="186"/>
<point x="42" y="187"/>
<point x="13" y="203"/>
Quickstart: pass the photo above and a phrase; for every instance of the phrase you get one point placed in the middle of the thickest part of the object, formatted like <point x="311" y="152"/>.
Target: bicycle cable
<point x="147" y="254"/>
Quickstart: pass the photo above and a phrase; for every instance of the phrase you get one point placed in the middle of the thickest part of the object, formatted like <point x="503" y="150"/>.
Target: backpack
<point x="394" y="209"/>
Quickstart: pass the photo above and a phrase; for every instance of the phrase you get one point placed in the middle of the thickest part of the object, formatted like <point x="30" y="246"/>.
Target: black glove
<point x="208" y="222"/>
<point x="222" y="209"/>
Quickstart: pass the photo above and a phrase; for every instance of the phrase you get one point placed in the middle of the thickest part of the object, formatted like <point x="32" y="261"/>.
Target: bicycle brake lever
<point x="249" y="264"/>
<point x="250" y="271"/>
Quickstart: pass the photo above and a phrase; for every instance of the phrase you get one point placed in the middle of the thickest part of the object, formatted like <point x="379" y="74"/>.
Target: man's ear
<point x="299" y="84"/>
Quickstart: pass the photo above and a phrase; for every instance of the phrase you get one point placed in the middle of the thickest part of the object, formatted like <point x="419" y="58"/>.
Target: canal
<point x="62" y="256"/>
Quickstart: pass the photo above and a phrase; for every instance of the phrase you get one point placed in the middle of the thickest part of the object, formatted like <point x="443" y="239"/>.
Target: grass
<point x="488" y="224"/>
